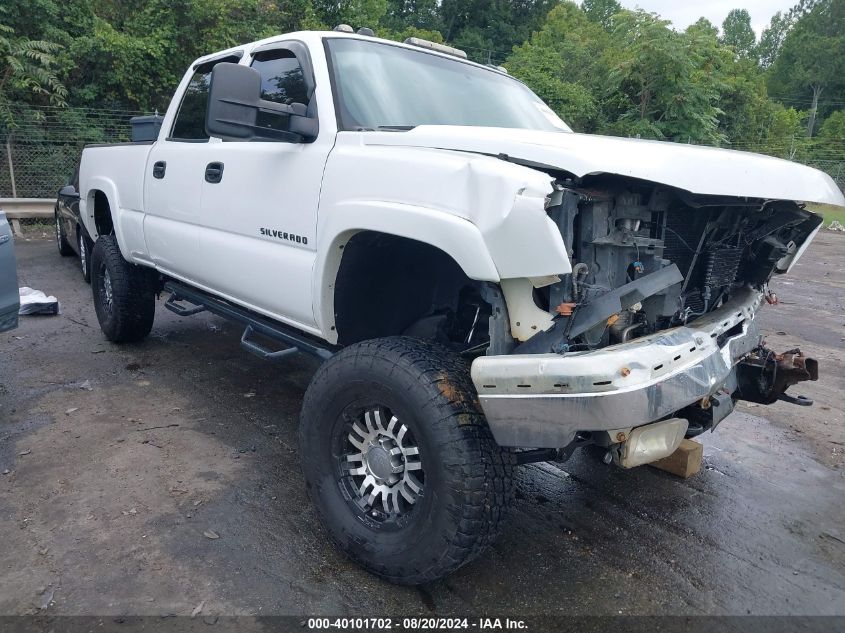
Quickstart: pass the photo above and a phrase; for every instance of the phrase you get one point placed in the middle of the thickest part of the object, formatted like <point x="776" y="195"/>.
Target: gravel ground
<point x="119" y="462"/>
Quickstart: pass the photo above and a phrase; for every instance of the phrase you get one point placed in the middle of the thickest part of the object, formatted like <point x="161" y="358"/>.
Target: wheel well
<point x="389" y="285"/>
<point x="102" y="214"/>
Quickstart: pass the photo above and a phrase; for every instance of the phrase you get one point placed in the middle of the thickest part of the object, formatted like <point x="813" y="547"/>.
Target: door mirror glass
<point x="236" y="110"/>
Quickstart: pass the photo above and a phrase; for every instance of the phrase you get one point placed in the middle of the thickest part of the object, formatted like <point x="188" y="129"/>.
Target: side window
<point x="282" y="81"/>
<point x="190" y="120"/>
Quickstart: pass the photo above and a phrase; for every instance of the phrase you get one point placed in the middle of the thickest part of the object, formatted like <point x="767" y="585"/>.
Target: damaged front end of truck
<point x="651" y="337"/>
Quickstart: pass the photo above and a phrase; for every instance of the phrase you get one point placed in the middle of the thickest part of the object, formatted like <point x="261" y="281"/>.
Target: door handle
<point x="4" y="238"/>
<point x="159" y="169"/>
<point x="214" y="172"/>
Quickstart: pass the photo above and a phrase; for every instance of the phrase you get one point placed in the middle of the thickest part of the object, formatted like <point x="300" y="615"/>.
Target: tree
<point x="562" y="63"/>
<point x="601" y="12"/>
<point x="489" y="29"/>
<point x="355" y="13"/>
<point x="833" y="128"/>
<point x="703" y="25"/>
<point x="738" y="34"/>
<point x="772" y="38"/>
<point x="418" y="14"/>
<point x="660" y="85"/>
<point x="26" y="73"/>
<point x="812" y="59"/>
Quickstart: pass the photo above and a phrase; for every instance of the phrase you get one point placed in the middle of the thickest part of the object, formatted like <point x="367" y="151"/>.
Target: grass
<point x="828" y="212"/>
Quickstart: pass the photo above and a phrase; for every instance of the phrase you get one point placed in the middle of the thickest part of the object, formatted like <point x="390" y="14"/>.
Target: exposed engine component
<point x="764" y="376"/>
<point x="646" y="258"/>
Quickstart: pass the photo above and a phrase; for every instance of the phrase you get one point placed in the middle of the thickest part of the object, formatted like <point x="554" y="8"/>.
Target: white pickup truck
<point x="486" y="287"/>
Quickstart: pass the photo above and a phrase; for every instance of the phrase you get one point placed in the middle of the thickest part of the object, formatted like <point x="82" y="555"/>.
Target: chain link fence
<point x="40" y="155"/>
<point x="36" y="170"/>
<point x="834" y="168"/>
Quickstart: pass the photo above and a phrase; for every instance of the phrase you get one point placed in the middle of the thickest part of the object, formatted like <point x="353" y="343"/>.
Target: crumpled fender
<point x="487" y="214"/>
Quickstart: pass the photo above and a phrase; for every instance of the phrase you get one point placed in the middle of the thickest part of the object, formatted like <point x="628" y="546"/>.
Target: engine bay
<point x="646" y="258"/>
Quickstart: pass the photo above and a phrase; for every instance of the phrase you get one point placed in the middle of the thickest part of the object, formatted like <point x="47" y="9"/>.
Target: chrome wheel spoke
<point x="381" y="456"/>
<point x="368" y="420"/>
<point x="409" y="496"/>
<point x="379" y="423"/>
<point x="413" y="484"/>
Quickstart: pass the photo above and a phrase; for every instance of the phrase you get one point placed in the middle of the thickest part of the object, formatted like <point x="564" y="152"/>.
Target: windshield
<point x="379" y="85"/>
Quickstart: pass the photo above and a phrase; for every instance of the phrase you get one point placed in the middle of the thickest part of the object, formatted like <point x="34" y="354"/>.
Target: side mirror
<point x="69" y="191"/>
<point x="234" y="101"/>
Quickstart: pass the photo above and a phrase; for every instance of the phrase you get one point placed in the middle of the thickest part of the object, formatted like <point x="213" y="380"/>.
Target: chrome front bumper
<point x="542" y="400"/>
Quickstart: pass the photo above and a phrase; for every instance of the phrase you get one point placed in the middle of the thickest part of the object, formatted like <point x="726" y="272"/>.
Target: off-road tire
<point x="468" y="477"/>
<point x="128" y="317"/>
<point x="65" y="249"/>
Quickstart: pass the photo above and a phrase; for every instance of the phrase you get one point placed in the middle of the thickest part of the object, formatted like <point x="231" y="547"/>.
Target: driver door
<point x="259" y="205"/>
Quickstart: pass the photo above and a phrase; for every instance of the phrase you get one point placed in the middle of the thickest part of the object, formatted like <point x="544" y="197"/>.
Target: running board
<point x="254" y="324"/>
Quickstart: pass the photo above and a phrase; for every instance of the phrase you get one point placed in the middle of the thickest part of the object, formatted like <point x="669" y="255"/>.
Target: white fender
<point x="455" y="236"/>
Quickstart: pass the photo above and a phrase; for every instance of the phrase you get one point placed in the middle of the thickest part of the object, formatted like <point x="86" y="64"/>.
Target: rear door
<point x="173" y="182"/>
<point x="9" y="295"/>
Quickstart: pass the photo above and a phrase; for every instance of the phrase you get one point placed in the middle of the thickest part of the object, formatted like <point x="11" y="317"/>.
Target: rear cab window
<point x="190" y="119"/>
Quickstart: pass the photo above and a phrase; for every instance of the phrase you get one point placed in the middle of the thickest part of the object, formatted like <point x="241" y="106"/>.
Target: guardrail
<point x="18" y="209"/>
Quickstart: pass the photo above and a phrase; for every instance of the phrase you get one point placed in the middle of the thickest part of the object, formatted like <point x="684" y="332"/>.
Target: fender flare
<point x="457" y="237"/>
<point x="86" y="208"/>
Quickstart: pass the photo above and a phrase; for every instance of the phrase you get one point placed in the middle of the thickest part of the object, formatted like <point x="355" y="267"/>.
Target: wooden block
<point x="684" y="462"/>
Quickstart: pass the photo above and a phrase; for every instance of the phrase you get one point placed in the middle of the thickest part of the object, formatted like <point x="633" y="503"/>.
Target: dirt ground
<point x="119" y="462"/>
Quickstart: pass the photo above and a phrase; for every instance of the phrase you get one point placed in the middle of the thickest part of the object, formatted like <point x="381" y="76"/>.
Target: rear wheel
<point x="65" y="249"/>
<point x="399" y="460"/>
<point x="84" y="249"/>
<point x="124" y="294"/>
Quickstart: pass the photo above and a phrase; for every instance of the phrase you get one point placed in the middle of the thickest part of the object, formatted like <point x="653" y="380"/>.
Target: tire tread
<point x="133" y="291"/>
<point x="486" y="469"/>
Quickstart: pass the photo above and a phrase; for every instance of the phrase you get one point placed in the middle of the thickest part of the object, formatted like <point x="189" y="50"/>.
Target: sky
<point x="682" y="13"/>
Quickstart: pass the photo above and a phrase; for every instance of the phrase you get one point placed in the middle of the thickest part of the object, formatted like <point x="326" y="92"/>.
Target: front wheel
<point x="399" y="459"/>
<point x="124" y="294"/>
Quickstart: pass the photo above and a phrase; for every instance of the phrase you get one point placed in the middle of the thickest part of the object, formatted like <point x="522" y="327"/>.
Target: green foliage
<point x="833" y="128"/>
<point x="772" y="38"/>
<point x="601" y="67"/>
<point x="738" y="34"/>
<point x="662" y="84"/>
<point x="812" y="58"/>
<point x="489" y="29"/>
<point x="601" y="12"/>
<point x="355" y="13"/>
<point x="26" y="73"/>
<point x="563" y="64"/>
<point x="413" y="14"/>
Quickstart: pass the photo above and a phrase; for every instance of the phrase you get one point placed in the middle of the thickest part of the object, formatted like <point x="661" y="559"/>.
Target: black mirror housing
<point x="233" y="96"/>
<point x="69" y="191"/>
<point x="234" y="101"/>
